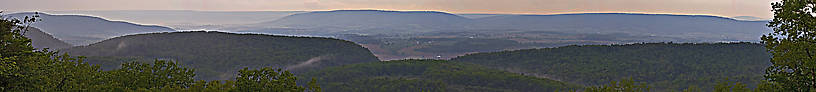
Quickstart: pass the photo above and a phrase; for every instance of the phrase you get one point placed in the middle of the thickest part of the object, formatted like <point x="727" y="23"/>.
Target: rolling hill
<point x="429" y="76"/>
<point x="84" y="30"/>
<point x="659" y="27"/>
<point x="439" y="35"/>
<point x="187" y="19"/>
<point x="41" y="40"/>
<point x="663" y="66"/>
<point x="177" y="17"/>
<point x="218" y="55"/>
<point x="367" y="21"/>
<point x="694" y="28"/>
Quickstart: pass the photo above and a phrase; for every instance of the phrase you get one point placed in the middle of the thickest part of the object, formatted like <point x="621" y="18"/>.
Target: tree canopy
<point x="793" y="45"/>
<point x="414" y="75"/>
<point x="662" y="66"/>
<point x="24" y="68"/>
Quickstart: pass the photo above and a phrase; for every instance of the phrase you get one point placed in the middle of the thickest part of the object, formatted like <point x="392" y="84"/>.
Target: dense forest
<point x="218" y="55"/>
<point x="663" y="66"/>
<point x="24" y="68"/>
<point x="428" y="75"/>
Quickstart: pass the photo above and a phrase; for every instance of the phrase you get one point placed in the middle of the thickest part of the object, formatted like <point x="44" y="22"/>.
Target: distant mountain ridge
<point x="695" y="28"/>
<point x="534" y="31"/>
<point x="647" y="14"/>
<point x="369" y="21"/>
<point x="84" y="30"/>
<point x="482" y="15"/>
<point x="704" y="28"/>
<point x="386" y="32"/>
<point x="183" y="17"/>
<point x="351" y="16"/>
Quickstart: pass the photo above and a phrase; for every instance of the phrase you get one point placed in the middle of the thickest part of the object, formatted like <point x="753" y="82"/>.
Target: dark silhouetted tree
<point x="793" y="45"/>
<point x="267" y="80"/>
<point x="26" y="69"/>
<point x="626" y="85"/>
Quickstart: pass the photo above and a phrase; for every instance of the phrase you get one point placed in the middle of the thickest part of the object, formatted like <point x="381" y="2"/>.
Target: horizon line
<point x="559" y="13"/>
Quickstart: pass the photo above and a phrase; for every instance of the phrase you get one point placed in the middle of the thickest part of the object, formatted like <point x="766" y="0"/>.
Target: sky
<point x="729" y="8"/>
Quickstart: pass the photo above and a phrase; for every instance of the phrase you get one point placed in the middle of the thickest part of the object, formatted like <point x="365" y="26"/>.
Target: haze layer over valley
<point x="379" y="50"/>
<point x="393" y="35"/>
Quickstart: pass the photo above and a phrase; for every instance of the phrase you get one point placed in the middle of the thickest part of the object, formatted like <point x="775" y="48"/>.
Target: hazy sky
<point x="757" y="8"/>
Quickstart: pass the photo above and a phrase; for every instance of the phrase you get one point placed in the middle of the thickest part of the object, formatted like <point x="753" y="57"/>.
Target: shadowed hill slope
<point x="41" y="40"/>
<point x="664" y="66"/>
<point x="218" y="55"/>
<point x="429" y="76"/>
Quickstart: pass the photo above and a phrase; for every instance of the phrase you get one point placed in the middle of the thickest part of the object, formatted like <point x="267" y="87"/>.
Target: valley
<point x="407" y="51"/>
<point x="394" y="35"/>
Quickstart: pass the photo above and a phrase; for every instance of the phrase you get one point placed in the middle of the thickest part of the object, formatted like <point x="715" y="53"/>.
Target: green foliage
<point x="161" y="74"/>
<point x="313" y="86"/>
<point x="46" y="71"/>
<point x="627" y="85"/>
<point x="387" y="84"/>
<point x="692" y="88"/>
<point x="728" y="86"/>
<point x="662" y="66"/>
<point x="428" y="75"/>
<point x="266" y="80"/>
<point x="766" y="86"/>
<point x="14" y="43"/>
<point x="793" y="45"/>
<point x="169" y="76"/>
<point x="25" y="69"/>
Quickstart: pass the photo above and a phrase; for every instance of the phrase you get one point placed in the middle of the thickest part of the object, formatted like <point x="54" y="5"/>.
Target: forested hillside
<point x="40" y="39"/>
<point x="663" y="66"/>
<point x="428" y="75"/>
<point x="218" y="55"/>
<point x="24" y="68"/>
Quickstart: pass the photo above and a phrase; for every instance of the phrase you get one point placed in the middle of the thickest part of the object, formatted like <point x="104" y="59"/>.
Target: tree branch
<point x="808" y="53"/>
